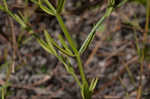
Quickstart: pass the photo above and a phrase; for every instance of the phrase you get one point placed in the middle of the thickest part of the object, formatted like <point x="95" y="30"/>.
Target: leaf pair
<point x="91" y="35"/>
<point x="20" y="19"/>
<point x="69" y="68"/>
<point x="99" y="24"/>
<point x="60" y="5"/>
<point x="49" y="8"/>
<point x="86" y="91"/>
<point x="50" y="44"/>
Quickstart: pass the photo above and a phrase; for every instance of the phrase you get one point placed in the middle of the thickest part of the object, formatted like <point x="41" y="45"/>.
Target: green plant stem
<point x="76" y="79"/>
<point x="147" y="16"/>
<point x="72" y="73"/>
<point x="80" y="66"/>
<point x="3" y="93"/>
<point x="72" y="44"/>
<point x="142" y="58"/>
<point x="66" y="33"/>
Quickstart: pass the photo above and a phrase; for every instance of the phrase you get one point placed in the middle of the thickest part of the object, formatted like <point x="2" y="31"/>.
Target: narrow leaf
<point x="43" y="44"/>
<point x="58" y="47"/>
<point x="122" y="3"/>
<point x="10" y="13"/>
<point x="35" y="1"/>
<point x="62" y="50"/>
<point x="49" y="41"/>
<point x="25" y="19"/>
<point x="19" y="20"/>
<point x="49" y="11"/>
<point x="86" y="94"/>
<point x="69" y="68"/>
<point x="64" y="44"/>
<point x="93" y="84"/>
<point x="1" y="7"/>
<point x="66" y="33"/>
<point x="87" y="42"/>
<point x="93" y="31"/>
<point x="72" y="72"/>
<point x="50" y="6"/>
<point x="5" y="4"/>
<point x="60" y="6"/>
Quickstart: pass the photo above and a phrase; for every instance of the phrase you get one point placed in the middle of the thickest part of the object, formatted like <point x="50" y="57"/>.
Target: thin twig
<point x="14" y="45"/>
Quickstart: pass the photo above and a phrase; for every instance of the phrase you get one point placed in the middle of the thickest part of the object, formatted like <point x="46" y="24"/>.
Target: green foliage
<point x="50" y="9"/>
<point x="85" y="92"/>
<point x="66" y="50"/>
<point x="62" y="41"/>
<point x="1" y="7"/>
<point x="93" y="84"/>
<point x="60" y="5"/>
<point x="93" y="31"/>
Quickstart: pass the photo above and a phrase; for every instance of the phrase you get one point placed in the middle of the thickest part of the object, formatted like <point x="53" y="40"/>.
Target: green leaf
<point x="69" y="68"/>
<point x="34" y="1"/>
<point x="49" y="41"/>
<point x="87" y="42"/>
<point x="62" y="50"/>
<point x="58" y="47"/>
<point x="43" y="44"/>
<point x="47" y="10"/>
<point x="50" y="6"/>
<point x="91" y="35"/>
<point x="66" y="33"/>
<point x="122" y="3"/>
<point x="5" y="4"/>
<point x="62" y="60"/>
<point x="72" y="72"/>
<point x="85" y="92"/>
<point x="19" y="20"/>
<point x="25" y="19"/>
<point x="1" y="7"/>
<point x="93" y="84"/>
<point x="60" y="5"/>
<point x="62" y="41"/>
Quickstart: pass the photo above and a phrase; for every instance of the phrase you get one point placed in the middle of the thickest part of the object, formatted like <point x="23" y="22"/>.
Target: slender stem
<point x="72" y="44"/>
<point x="139" y="96"/>
<point x="72" y="73"/>
<point x="3" y="93"/>
<point x="76" y="79"/>
<point x="147" y="17"/>
<point x="66" y="33"/>
<point x="80" y="66"/>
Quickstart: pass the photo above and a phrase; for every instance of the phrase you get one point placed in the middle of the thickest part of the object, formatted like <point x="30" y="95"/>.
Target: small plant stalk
<point x="139" y="92"/>
<point x="80" y="66"/>
<point x="66" y="33"/>
<point x="50" y="45"/>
